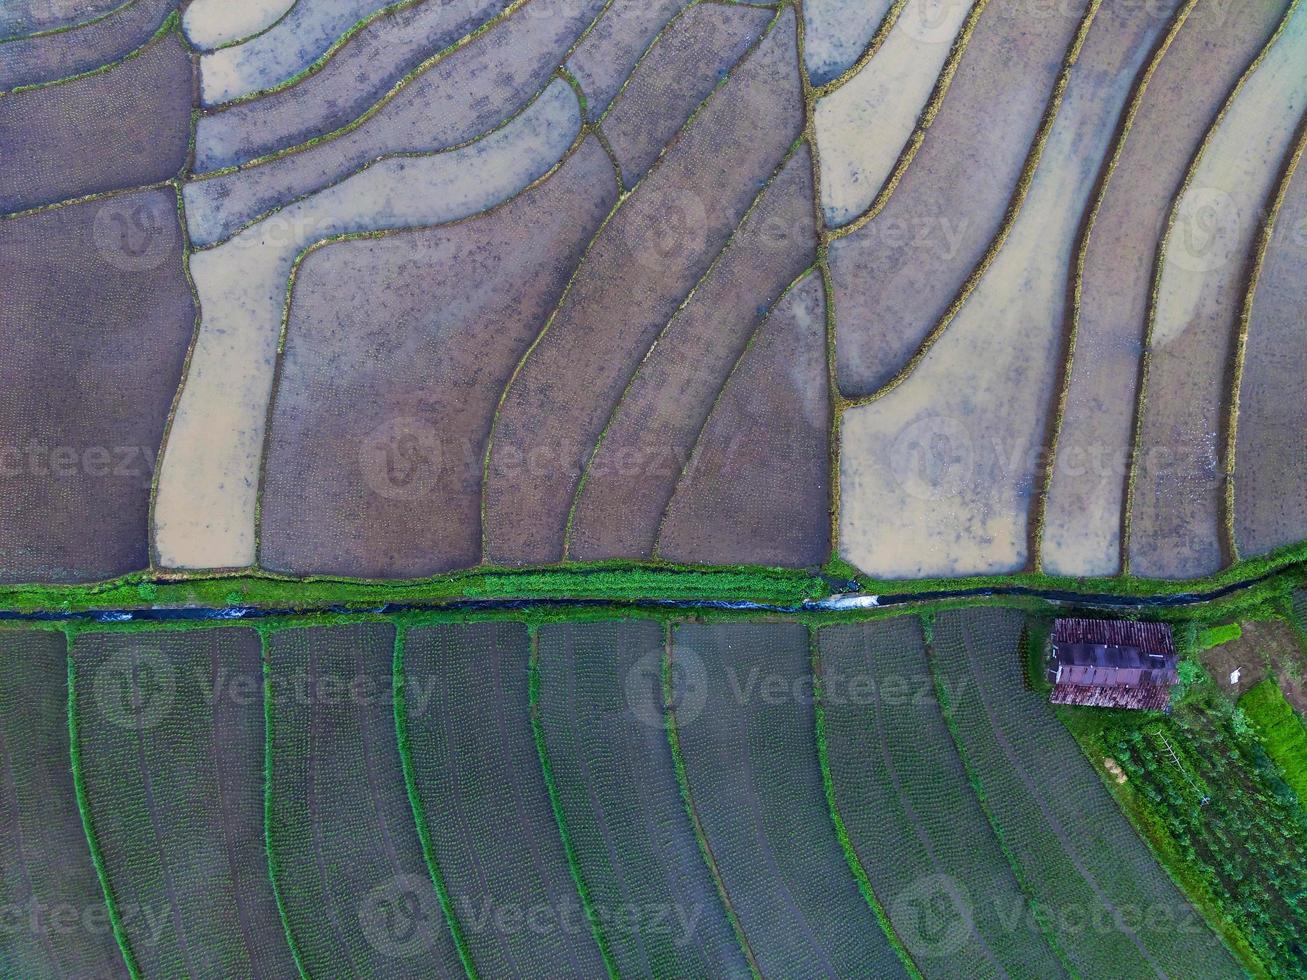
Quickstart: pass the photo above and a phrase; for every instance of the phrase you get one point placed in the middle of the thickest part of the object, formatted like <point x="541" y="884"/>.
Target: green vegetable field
<point x="623" y="797"/>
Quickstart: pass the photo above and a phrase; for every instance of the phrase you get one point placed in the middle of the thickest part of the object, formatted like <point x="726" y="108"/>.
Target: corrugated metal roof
<point x="1150" y="637"/>
<point x="1152" y="697"/>
<point x="1110" y="663"/>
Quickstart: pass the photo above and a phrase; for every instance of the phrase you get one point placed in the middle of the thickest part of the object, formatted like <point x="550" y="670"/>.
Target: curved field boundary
<point x="1264" y="241"/>
<point x="601" y="710"/>
<point x="248" y="283"/>
<point x="142" y="144"/>
<point x="128" y="52"/>
<point x="538" y="734"/>
<point x="841" y="829"/>
<point x="285" y="53"/>
<point x="868" y="124"/>
<point x="513" y="8"/>
<point x="383" y="52"/>
<point x="274" y="866"/>
<point x="290" y="292"/>
<point x="1064" y="392"/>
<point x="575" y="306"/>
<point x="928" y="113"/>
<point x="45" y="865"/>
<point x="1158" y="267"/>
<point x="177" y="771"/>
<point x="83" y="805"/>
<point x="745" y="725"/>
<point x="601" y="91"/>
<point x="678" y="763"/>
<point x="951" y="888"/>
<point x="481" y="86"/>
<point x="881" y="16"/>
<point x="737" y="233"/>
<point x="203" y="6"/>
<point x="477" y="770"/>
<point x="419" y="811"/>
<point x="774" y="400"/>
<point x="1013" y="211"/>
<point x="353" y="877"/>
<point x="70" y="26"/>
<point x="514" y="260"/>
<point x="1082" y="857"/>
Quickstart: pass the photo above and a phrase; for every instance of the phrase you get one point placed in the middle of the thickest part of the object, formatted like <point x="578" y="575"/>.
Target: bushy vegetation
<point x="1281" y="732"/>
<point x="1207" y="794"/>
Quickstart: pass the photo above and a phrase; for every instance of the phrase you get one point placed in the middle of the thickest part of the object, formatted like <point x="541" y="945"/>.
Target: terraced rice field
<point x="950" y="890"/>
<point x="930" y="288"/>
<point x="614" y="797"/>
<point x="1110" y="907"/>
<point x="672" y="317"/>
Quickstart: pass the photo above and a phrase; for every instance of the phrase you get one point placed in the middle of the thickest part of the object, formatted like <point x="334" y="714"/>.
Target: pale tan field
<point x="1176" y="526"/>
<point x="205" y="507"/>
<point x="940" y="473"/>
<point x="1086" y="492"/>
<point x="863" y="126"/>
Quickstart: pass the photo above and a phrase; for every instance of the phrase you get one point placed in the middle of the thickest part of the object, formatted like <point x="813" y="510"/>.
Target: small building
<point x="1110" y="663"/>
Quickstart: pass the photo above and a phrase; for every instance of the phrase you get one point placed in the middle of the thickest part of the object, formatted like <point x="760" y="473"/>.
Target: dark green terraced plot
<point x="480" y="790"/>
<point x="911" y="814"/>
<point x="745" y="723"/>
<point x="171" y="735"/>
<point x="345" y="853"/>
<point x="1112" y="908"/>
<point x="55" y="920"/>
<point x="601" y="710"/>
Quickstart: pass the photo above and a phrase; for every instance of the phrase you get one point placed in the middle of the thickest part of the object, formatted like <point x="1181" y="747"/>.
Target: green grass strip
<point x="1281" y="732"/>
<point x="1036" y="908"/>
<point x="274" y="872"/>
<point x="621" y="581"/>
<point x="683" y="780"/>
<point x="538" y="732"/>
<point x="419" y="811"/>
<point x="1217" y="635"/>
<point x="617" y="581"/>
<point x="84" y="808"/>
<point x="841" y="831"/>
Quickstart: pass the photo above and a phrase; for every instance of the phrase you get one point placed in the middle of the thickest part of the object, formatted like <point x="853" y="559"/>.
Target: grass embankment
<point x="616" y="582"/>
<point x="1269" y="579"/>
